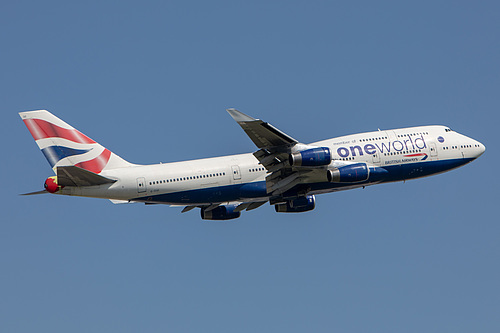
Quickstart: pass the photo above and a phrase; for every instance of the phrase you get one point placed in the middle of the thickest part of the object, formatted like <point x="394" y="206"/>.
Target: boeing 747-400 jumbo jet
<point x="283" y="171"/>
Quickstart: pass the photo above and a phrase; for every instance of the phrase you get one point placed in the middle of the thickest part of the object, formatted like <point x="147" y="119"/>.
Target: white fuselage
<point x="405" y="153"/>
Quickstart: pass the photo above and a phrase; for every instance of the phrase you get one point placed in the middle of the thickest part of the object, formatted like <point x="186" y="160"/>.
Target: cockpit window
<point x="448" y="130"/>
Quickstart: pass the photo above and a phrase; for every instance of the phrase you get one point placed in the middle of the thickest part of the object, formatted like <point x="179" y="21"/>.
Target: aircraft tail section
<point x="63" y="145"/>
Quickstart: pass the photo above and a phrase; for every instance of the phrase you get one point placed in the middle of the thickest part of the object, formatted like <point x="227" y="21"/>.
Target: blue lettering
<point x="370" y="149"/>
<point x="383" y="147"/>
<point x="388" y="147"/>
<point x="411" y="141"/>
<point x="360" y="151"/>
<point x="343" y="152"/>
<point x="423" y="142"/>
<point x="394" y="145"/>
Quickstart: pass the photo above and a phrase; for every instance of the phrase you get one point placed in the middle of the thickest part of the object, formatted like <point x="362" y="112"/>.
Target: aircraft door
<point x="459" y="147"/>
<point x="376" y="158"/>
<point x="141" y="185"/>
<point x="433" y="149"/>
<point x="236" y="172"/>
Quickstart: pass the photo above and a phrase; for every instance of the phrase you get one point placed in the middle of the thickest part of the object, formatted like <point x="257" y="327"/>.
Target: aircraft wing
<point x="274" y="151"/>
<point x="263" y="134"/>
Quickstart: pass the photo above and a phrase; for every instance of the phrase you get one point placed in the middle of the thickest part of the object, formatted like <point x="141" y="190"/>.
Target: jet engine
<point x="299" y="205"/>
<point x="352" y="173"/>
<point x="220" y="213"/>
<point x="311" y="157"/>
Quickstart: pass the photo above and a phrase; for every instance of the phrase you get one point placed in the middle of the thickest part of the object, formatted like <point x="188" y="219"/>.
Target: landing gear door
<point x="141" y="185"/>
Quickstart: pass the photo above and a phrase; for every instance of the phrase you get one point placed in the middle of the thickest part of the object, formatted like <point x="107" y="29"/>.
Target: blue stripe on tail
<point x="54" y="154"/>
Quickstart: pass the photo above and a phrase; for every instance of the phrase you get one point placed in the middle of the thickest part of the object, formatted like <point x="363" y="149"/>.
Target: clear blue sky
<point x="151" y="82"/>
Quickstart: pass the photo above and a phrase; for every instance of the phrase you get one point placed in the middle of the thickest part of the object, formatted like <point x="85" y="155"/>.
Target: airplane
<point x="283" y="171"/>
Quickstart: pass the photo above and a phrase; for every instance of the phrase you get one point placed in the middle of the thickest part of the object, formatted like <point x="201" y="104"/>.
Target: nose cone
<point x="480" y="149"/>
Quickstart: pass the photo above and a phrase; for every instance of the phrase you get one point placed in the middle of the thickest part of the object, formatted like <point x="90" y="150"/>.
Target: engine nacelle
<point x="353" y="173"/>
<point x="299" y="205"/>
<point x="311" y="157"/>
<point x="220" y="213"/>
<point x="51" y="185"/>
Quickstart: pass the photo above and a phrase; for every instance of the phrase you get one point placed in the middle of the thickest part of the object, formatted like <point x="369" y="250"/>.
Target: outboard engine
<point x="299" y="205"/>
<point x="311" y="157"/>
<point x="220" y="213"/>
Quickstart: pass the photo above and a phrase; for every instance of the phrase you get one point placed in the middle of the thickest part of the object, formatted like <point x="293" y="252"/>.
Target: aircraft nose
<point x="480" y="149"/>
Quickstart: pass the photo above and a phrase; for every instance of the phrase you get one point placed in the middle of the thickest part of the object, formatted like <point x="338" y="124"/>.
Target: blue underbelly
<point x="241" y="192"/>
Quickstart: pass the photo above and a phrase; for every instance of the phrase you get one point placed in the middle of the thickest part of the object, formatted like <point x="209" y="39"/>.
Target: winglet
<point x="239" y="116"/>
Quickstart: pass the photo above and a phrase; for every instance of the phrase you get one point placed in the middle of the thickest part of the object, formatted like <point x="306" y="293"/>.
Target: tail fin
<point x="63" y="145"/>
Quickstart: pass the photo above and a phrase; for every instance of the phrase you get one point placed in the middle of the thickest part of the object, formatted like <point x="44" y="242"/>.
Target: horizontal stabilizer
<point x="75" y="176"/>
<point x="35" y="193"/>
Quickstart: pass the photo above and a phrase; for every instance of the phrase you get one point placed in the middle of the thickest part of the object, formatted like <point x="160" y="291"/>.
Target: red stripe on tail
<point x="41" y="129"/>
<point x="97" y="164"/>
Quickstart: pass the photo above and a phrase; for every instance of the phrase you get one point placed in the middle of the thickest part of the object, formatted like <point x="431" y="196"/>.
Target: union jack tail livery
<point x="63" y="145"/>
